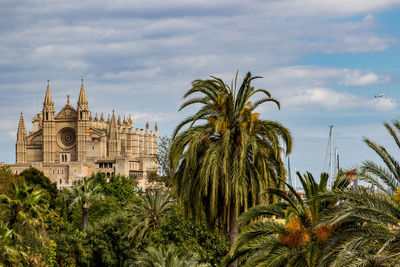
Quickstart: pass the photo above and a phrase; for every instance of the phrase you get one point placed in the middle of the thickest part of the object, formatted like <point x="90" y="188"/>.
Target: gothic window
<point x="81" y="114"/>
<point x="53" y="171"/>
<point x="47" y="116"/>
<point x="60" y="181"/>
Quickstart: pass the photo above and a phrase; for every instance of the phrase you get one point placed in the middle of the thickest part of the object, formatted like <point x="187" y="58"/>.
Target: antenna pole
<point x="330" y="154"/>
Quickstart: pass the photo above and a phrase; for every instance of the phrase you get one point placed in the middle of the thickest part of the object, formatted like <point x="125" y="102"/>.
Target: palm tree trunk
<point x="84" y="212"/>
<point x="233" y="229"/>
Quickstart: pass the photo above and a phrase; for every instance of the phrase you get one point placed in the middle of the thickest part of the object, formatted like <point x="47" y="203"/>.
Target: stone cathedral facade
<point x="71" y="144"/>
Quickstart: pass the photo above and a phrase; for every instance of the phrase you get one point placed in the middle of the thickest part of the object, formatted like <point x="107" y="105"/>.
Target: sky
<point x="324" y="60"/>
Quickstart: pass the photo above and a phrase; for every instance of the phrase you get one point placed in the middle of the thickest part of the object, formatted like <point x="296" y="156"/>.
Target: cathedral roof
<point x="67" y="112"/>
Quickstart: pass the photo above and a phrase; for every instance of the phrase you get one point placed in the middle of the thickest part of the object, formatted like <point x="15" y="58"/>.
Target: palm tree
<point x="84" y="195"/>
<point x="386" y="178"/>
<point x="167" y="257"/>
<point x="370" y="229"/>
<point x="26" y="204"/>
<point x="372" y="235"/>
<point x="148" y="211"/>
<point x="288" y="233"/>
<point x="227" y="155"/>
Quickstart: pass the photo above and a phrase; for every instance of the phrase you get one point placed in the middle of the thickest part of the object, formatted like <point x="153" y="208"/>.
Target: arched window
<point x="47" y="116"/>
<point x="108" y="175"/>
<point x="81" y="114"/>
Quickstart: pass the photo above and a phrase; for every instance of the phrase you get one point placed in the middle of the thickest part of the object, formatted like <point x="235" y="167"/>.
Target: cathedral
<point x="71" y="145"/>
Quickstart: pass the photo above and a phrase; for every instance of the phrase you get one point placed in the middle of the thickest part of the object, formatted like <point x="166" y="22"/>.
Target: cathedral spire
<point x="113" y="117"/>
<point x="20" y="146"/>
<point x="48" y="101"/>
<point x="82" y="96"/>
<point x="21" y="127"/>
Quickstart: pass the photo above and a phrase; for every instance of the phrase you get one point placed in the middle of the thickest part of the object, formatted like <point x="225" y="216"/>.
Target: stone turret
<point x="20" y="146"/>
<point x="113" y="141"/>
<point x="49" y="136"/>
<point x="83" y="117"/>
<point x="155" y="140"/>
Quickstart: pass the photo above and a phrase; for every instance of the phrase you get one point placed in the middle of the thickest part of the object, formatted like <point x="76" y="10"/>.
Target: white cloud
<point x="328" y="99"/>
<point x="311" y="87"/>
<point x="154" y="117"/>
<point x="319" y="76"/>
<point x="321" y="98"/>
<point x="382" y="104"/>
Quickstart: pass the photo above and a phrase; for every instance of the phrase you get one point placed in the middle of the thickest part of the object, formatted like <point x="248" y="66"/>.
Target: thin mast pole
<point x="330" y="155"/>
<point x="289" y="173"/>
<point x="337" y="161"/>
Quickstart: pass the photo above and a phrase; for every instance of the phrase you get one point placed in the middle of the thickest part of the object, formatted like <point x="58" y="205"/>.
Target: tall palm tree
<point x="227" y="155"/>
<point x="288" y="233"/>
<point x="167" y="257"/>
<point x="84" y="195"/>
<point x="152" y="205"/>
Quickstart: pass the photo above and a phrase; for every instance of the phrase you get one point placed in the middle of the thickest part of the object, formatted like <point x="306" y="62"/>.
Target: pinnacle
<point x="47" y="99"/>
<point x="21" y="125"/>
<point x="82" y="96"/>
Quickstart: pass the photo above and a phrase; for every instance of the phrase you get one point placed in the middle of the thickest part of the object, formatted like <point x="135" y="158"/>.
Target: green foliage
<point x="6" y="178"/>
<point x="189" y="235"/>
<point x="152" y="205"/>
<point x="370" y="235"/>
<point x="25" y="205"/>
<point x="83" y="195"/>
<point x="107" y="243"/>
<point x="33" y="176"/>
<point x="11" y="254"/>
<point x="167" y="256"/>
<point x="118" y="186"/>
<point x="287" y="233"/>
<point x="51" y="253"/>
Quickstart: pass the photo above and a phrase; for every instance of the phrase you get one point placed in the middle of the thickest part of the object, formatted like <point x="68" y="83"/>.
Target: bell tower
<point x="82" y="122"/>
<point x="48" y="122"/>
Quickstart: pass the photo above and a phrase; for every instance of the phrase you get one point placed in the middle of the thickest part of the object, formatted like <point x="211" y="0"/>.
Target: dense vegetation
<point x="219" y="199"/>
<point x="97" y="223"/>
